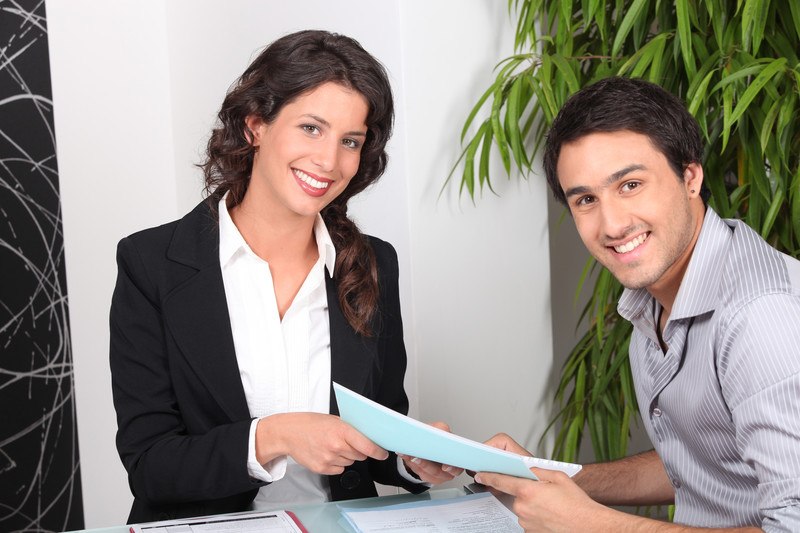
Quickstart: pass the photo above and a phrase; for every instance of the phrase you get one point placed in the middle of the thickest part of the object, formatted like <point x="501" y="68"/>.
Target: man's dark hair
<point x="625" y="104"/>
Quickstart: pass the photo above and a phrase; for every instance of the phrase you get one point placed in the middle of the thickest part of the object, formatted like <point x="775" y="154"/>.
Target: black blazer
<point x="183" y="421"/>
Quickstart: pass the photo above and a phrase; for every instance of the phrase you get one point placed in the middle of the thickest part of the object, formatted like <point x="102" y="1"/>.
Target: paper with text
<point x="476" y="513"/>
<point x="266" y="522"/>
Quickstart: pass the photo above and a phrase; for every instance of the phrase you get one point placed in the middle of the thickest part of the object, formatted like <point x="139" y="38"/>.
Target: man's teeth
<point x="631" y="245"/>
<point x="311" y="181"/>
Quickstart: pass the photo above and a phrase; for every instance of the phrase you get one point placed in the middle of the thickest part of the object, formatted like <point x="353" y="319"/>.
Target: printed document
<point x="266" y="522"/>
<point x="401" y="434"/>
<point x="476" y="513"/>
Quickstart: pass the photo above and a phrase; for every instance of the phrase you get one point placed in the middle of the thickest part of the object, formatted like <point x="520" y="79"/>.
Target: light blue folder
<point x="394" y="432"/>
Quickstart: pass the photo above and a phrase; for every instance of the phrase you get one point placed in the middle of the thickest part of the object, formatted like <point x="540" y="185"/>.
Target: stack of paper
<point x="401" y="434"/>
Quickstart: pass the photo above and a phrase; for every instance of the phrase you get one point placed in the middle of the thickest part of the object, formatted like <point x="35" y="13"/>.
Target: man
<point x="715" y="351"/>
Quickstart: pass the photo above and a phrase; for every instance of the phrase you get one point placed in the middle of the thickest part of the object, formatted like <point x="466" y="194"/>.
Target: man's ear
<point x="253" y="126"/>
<point x="693" y="179"/>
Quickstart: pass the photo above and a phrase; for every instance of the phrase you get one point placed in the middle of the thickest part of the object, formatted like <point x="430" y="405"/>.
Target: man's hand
<point x="505" y="442"/>
<point x="430" y="471"/>
<point x="554" y="503"/>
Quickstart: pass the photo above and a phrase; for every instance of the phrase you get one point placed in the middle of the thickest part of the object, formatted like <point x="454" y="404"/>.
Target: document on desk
<point x="476" y="513"/>
<point x="401" y="434"/>
<point x="267" y="522"/>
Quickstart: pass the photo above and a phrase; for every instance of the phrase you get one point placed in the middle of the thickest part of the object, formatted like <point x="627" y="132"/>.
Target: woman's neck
<point x="275" y="238"/>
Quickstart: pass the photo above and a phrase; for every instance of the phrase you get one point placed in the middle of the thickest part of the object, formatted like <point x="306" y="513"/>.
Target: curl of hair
<point x="288" y="68"/>
<point x="617" y="104"/>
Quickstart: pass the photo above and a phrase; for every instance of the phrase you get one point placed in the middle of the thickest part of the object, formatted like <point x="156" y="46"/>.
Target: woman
<point x="228" y="326"/>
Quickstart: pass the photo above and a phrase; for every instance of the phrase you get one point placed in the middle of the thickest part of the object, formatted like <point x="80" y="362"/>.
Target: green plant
<point x="735" y="64"/>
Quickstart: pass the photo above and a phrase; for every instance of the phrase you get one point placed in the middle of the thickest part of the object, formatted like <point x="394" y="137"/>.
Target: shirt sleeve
<point x="760" y="376"/>
<point x="272" y="471"/>
<point x="405" y="474"/>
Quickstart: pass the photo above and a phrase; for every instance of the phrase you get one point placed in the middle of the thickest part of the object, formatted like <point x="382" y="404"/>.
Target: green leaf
<point x="727" y="106"/>
<point x="794" y="9"/>
<point x="772" y="213"/>
<point x="769" y="122"/>
<point x="741" y="73"/>
<point x="486" y="151"/>
<point x="475" y="110"/>
<point x="685" y="36"/>
<point x="752" y="91"/>
<point x="794" y="196"/>
<point x="627" y="23"/>
<point x="513" y="113"/>
<point x="499" y="134"/>
<point x="566" y="70"/>
<point x="700" y="94"/>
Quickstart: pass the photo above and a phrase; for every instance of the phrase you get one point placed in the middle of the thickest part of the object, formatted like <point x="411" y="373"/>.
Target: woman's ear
<point x="693" y="179"/>
<point x="253" y="129"/>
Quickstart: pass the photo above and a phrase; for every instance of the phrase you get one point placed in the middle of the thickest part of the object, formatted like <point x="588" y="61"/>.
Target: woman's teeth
<point x="311" y="181"/>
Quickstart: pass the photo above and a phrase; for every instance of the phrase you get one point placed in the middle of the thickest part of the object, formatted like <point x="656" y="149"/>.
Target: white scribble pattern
<point x="40" y="486"/>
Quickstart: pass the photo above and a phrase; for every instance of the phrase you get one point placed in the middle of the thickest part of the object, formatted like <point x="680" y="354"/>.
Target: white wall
<point x="136" y="87"/>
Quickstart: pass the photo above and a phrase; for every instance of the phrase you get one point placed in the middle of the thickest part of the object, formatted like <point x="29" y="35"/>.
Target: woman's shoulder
<point x="200" y="216"/>
<point x="385" y="257"/>
<point x="382" y="249"/>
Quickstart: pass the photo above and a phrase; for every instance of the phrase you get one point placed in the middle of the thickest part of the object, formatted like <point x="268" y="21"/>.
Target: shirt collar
<point x="231" y="242"/>
<point x="698" y="292"/>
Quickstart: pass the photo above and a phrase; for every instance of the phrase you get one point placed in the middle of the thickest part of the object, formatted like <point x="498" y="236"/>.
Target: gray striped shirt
<point x="722" y="406"/>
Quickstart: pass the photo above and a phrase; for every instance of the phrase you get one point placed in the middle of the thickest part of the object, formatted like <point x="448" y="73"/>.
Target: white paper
<point x="268" y="522"/>
<point x="475" y="513"/>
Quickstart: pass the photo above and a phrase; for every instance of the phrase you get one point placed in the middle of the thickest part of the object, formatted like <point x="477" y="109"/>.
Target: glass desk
<point x="326" y="518"/>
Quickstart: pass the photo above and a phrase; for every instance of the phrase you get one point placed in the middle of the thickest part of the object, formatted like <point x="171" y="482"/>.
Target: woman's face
<point x="307" y="156"/>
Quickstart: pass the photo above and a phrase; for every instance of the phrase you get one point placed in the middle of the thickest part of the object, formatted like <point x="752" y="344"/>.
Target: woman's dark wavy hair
<point x="288" y="68"/>
<point x="617" y="104"/>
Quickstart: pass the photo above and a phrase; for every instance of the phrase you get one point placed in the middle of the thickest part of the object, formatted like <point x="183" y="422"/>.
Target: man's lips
<point x="632" y="244"/>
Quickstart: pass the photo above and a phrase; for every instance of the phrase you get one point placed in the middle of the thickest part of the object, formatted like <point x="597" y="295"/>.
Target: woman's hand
<point x="322" y="443"/>
<point x="430" y="471"/>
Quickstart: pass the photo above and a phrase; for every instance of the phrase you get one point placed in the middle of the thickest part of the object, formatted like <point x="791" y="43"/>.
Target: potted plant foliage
<point x="734" y="62"/>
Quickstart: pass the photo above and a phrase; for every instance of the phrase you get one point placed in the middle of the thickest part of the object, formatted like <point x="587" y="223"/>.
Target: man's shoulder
<point x="755" y="268"/>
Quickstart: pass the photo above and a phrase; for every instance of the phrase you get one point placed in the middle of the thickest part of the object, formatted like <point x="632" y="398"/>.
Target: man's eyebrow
<point x="354" y="133"/>
<point x="613" y="178"/>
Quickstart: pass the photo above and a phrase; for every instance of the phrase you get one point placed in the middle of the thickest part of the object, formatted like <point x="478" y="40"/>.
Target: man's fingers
<point x="507" y="484"/>
<point x="440" y="425"/>
<point x="550" y="476"/>
<point x="504" y="442"/>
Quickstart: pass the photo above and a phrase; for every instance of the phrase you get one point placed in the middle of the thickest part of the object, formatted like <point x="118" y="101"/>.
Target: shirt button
<point x="676" y="483"/>
<point x="656" y="412"/>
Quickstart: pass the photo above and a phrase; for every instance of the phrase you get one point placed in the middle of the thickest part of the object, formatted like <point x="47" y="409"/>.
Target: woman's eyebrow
<point x="354" y="133"/>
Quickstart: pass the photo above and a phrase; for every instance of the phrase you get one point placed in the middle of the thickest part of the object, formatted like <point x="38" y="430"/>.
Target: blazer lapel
<point x="352" y="356"/>
<point x="196" y="311"/>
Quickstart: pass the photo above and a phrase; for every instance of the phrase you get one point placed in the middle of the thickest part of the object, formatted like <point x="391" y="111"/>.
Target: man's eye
<point x="630" y="185"/>
<point x="585" y="200"/>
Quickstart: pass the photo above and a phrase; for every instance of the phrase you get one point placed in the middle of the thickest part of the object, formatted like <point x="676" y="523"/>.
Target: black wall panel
<point x="40" y="487"/>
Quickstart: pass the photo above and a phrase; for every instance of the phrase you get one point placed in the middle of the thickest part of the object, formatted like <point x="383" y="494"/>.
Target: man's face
<point x="636" y="217"/>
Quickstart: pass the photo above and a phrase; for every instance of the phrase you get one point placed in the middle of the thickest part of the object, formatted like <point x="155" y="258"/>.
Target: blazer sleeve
<point x="392" y="357"/>
<point x="173" y="449"/>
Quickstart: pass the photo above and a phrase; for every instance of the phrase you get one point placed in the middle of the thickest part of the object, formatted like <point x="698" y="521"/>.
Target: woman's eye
<point x="351" y="143"/>
<point x="310" y="128"/>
